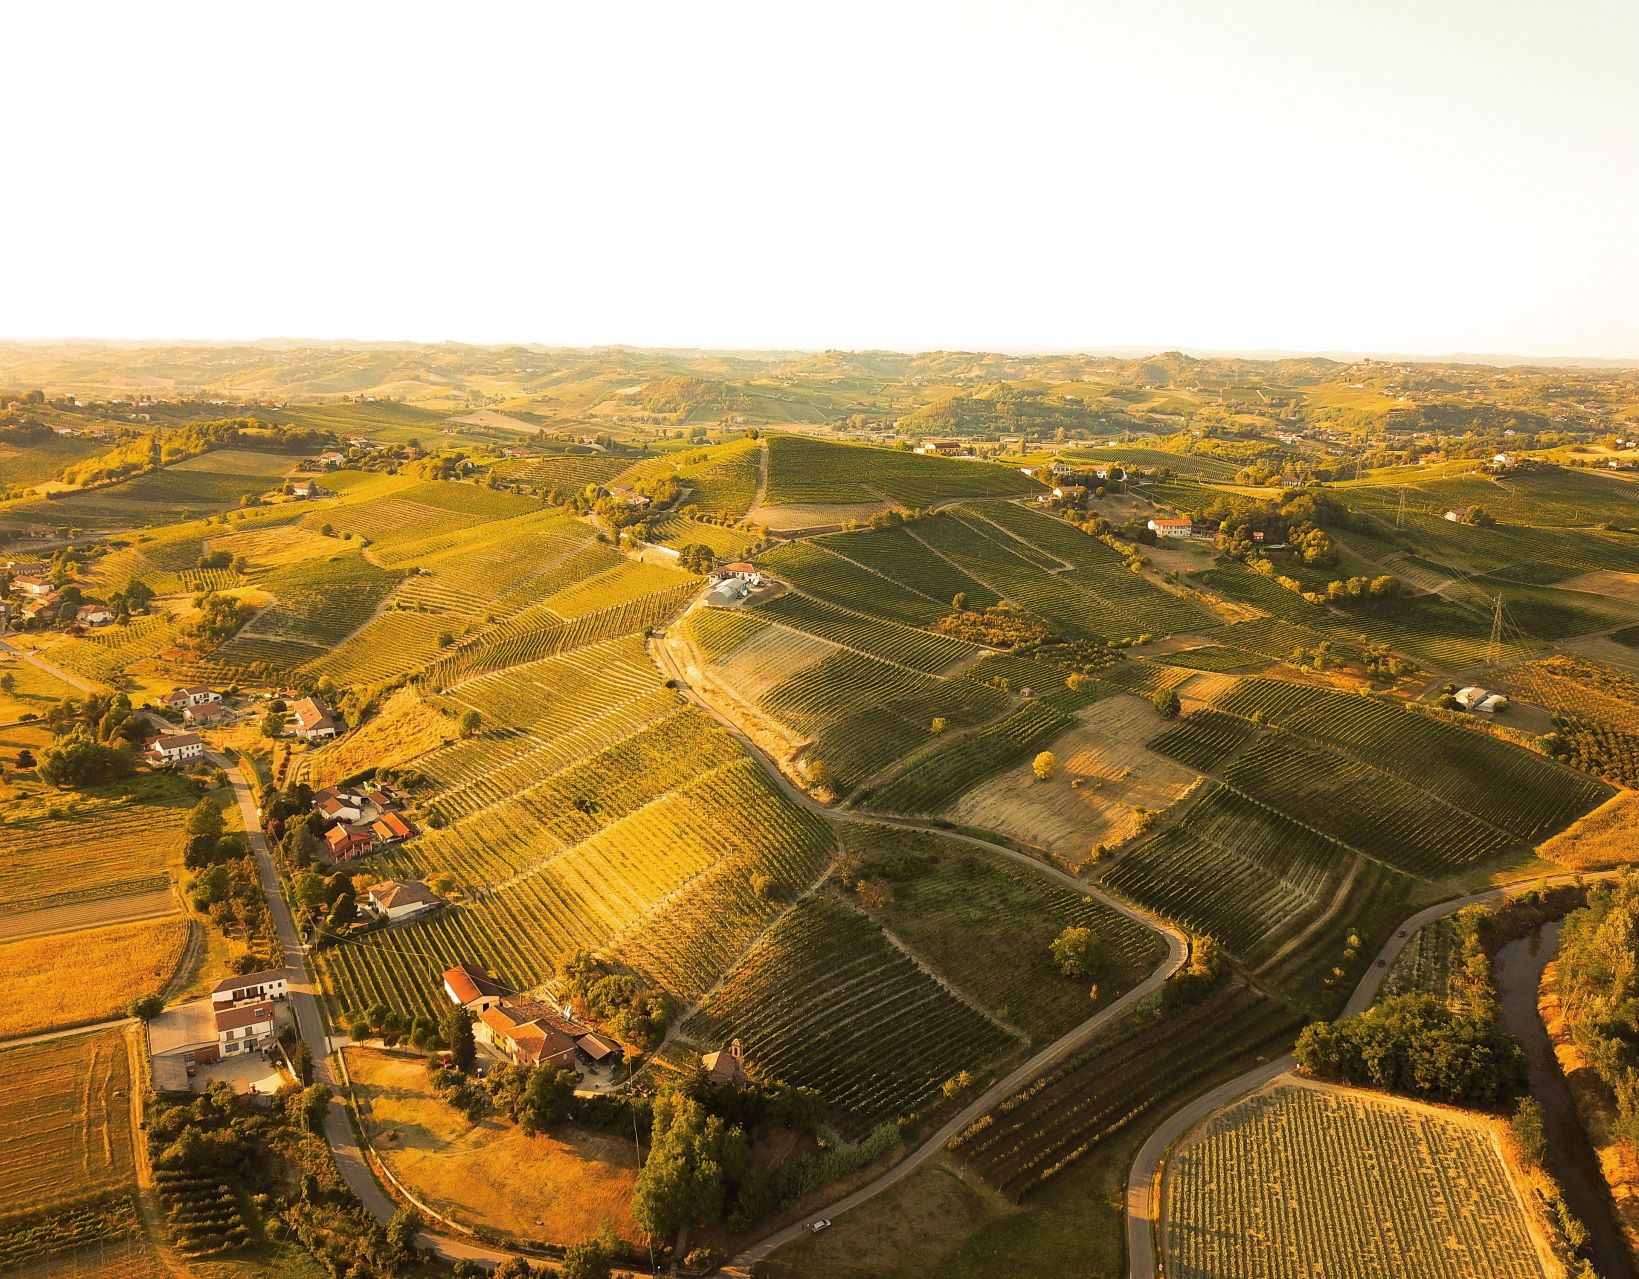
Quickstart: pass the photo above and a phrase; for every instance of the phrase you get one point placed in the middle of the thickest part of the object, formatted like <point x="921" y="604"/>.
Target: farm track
<point x="1149" y="1166"/>
<point x="1177" y="949"/>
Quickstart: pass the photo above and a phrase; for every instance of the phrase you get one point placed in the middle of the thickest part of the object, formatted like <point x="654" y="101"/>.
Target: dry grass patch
<point x="69" y="979"/>
<point x="1104" y="775"/>
<point x="1608" y="582"/>
<point x="405" y="729"/>
<point x="1607" y="836"/>
<point x="558" y="1187"/>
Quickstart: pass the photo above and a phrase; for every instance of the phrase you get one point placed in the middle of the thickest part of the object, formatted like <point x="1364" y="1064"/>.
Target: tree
<point x="302" y="1062"/>
<point x="545" y="1099"/>
<point x="401" y="1235"/>
<point x="457" y="1036"/>
<point x="8" y="681"/>
<point x="274" y="723"/>
<point x="691" y="1158"/>
<point x="25" y="758"/>
<point x="1166" y="703"/>
<point x="315" y="1104"/>
<point x="1044" y="765"/>
<point x="1077" y="951"/>
<point x="471" y="722"/>
<point x="145" y="1007"/>
<point x="940" y="724"/>
<point x="79" y="760"/>
<point x="343" y="912"/>
<point x="588" y="1260"/>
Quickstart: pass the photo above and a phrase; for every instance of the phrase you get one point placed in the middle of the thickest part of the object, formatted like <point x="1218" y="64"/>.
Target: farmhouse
<point x="940" y="448"/>
<point x="39" y="587"/>
<point x="269" y="983"/>
<point x="395" y="900"/>
<point x="528" y="1033"/>
<point x="1457" y="515"/>
<point x="1181" y="526"/>
<point x="726" y="1066"/>
<point x="628" y="496"/>
<point x="39" y="532"/>
<point x="347" y="840"/>
<point x="195" y="695"/>
<point x="245" y="1027"/>
<point x="94" y="615"/>
<point x="173" y="748"/>
<point x="205" y="714"/>
<point x="728" y="592"/>
<point x="470" y="986"/>
<point x="330" y="459"/>
<point x="313" y="719"/>
<point x="335" y="806"/>
<point x="390" y="827"/>
<point x="27" y="568"/>
<point x="1070" y="492"/>
<point x="304" y="489"/>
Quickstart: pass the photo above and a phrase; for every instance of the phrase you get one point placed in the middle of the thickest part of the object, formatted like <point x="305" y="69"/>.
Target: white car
<point x="814" y="1227"/>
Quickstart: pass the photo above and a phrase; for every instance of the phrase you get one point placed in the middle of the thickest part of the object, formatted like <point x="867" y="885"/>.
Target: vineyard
<point x="940" y="772"/>
<point x="202" y="485"/>
<point x="817" y="570"/>
<point x="1301" y="1180"/>
<point x="67" y="1175"/>
<point x="872" y="636"/>
<point x="1236" y="870"/>
<point x="1521" y="792"/>
<point x="824" y="1000"/>
<point x="806" y="470"/>
<point x="1429" y="964"/>
<point x="103" y="655"/>
<point x="1093" y="1095"/>
<point x="665" y="888"/>
<point x="895" y="555"/>
<point x="985" y="922"/>
<point x="1205" y="740"/>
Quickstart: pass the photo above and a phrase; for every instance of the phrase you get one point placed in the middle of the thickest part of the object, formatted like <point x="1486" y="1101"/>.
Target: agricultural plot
<point x="894" y="554"/>
<point x="875" y="637"/>
<point x="938" y="773"/>
<point x="565" y="473"/>
<point x="726" y="542"/>
<point x="74" y="979"/>
<point x="862" y="713"/>
<point x="1205" y="739"/>
<point x="815" y="569"/>
<point x="94" y="844"/>
<point x="1237" y="870"/>
<point x="1114" y="1081"/>
<point x="318" y="603"/>
<point x="395" y="642"/>
<point x="805" y="470"/>
<point x="1191" y="465"/>
<point x="985" y="922"/>
<point x="617" y="585"/>
<point x="105" y="654"/>
<point x="1429" y="964"/>
<point x="1522" y="793"/>
<point x="32" y="691"/>
<point x="67" y="1171"/>
<point x="717" y="632"/>
<point x="820" y="999"/>
<point x="202" y="485"/>
<point x="665" y="889"/>
<point x="1298" y="1180"/>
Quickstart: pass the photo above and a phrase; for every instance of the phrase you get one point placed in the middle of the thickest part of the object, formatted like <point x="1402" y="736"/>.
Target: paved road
<point x="304" y="1004"/>
<point x="1177" y="951"/>
<point x="1149" y="1165"/>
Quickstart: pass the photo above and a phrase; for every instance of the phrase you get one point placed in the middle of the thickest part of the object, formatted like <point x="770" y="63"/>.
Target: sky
<point x="1417" y="176"/>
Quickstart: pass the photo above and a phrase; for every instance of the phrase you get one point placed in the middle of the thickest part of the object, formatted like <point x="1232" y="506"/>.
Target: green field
<point x="806" y="471"/>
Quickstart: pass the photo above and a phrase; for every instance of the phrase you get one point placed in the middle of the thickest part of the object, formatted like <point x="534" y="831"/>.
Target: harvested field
<point x="558" y="1187"/>
<point x="70" y="979"/>
<point x="1607" y="582"/>
<point x="1105" y="774"/>
<point x="1601" y="838"/>
<point x="153" y="904"/>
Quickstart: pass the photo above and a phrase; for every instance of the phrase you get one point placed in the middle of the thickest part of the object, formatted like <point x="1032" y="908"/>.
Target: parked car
<point x="814" y="1227"/>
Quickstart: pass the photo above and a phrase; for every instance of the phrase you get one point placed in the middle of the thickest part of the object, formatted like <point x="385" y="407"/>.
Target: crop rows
<point x="651" y="888"/>
<point x="201" y="1213"/>
<point x="1515" y="789"/>
<point x="717" y="632"/>
<point x="321" y="601"/>
<point x="1299" y="1180"/>
<point x="930" y="654"/>
<point x="393" y="643"/>
<point x="940" y="773"/>
<point x="895" y="554"/>
<point x="1095" y="1093"/>
<point x="864" y="713"/>
<point x="802" y="470"/>
<point x="825" y="1001"/>
<point x="198" y="486"/>
<point x="819" y="571"/>
<point x="1235" y="869"/>
<point x="103" y="655"/>
<point x="1429" y="964"/>
<point x="568" y="473"/>
<point x="1205" y="740"/>
<point x="1378" y="814"/>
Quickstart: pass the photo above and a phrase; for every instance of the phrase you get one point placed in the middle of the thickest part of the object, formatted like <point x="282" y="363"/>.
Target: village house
<point x="30" y="584"/>
<point x="470" y="986"/>
<point x="347" y="840"/>
<point x="1180" y="526"/>
<point x="245" y="1027"/>
<point x="940" y="448"/>
<point x="338" y="806"/>
<point x="1069" y="492"/>
<point x="196" y="695"/>
<point x="529" y="1033"/>
<point x="303" y="489"/>
<point x="314" y="721"/>
<point x="94" y="615"/>
<point x="391" y="827"/>
<point x="628" y="496"/>
<point x="169" y="749"/>
<point x="1457" y="514"/>
<point x="726" y="1066"/>
<point x="27" y="568"/>
<point x="32" y="609"/>
<point x="268" y="983"/>
<point x="330" y="459"/>
<point x="205" y="714"/>
<point x="40" y="532"/>
<point x="395" y="900"/>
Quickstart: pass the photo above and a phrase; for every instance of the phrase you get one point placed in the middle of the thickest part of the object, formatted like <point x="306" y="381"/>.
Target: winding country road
<point x="1177" y="953"/>
<point x="1149" y="1167"/>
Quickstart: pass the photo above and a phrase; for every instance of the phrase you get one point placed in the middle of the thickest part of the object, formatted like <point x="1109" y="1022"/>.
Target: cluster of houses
<point x="239" y="1018"/>
<point x="199" y="706"/>
<point x="32" y="581"/>
<point x="1073" y="483"/>
<point x="1480" y="701"/>
<point x="523" y="1029"/>
<point x="359" y="821"/>
<point x="731" y="583"/>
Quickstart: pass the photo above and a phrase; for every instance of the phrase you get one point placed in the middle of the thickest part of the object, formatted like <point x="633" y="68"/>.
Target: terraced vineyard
<point x="1299" y="1180"/>
<point x="67" y="1172"/>
<point x="819" y="997"/>
<point x="1119" y="1079"/>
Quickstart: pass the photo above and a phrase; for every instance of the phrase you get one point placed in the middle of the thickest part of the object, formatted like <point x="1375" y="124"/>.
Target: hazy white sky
<point x="1406" y="175"/>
